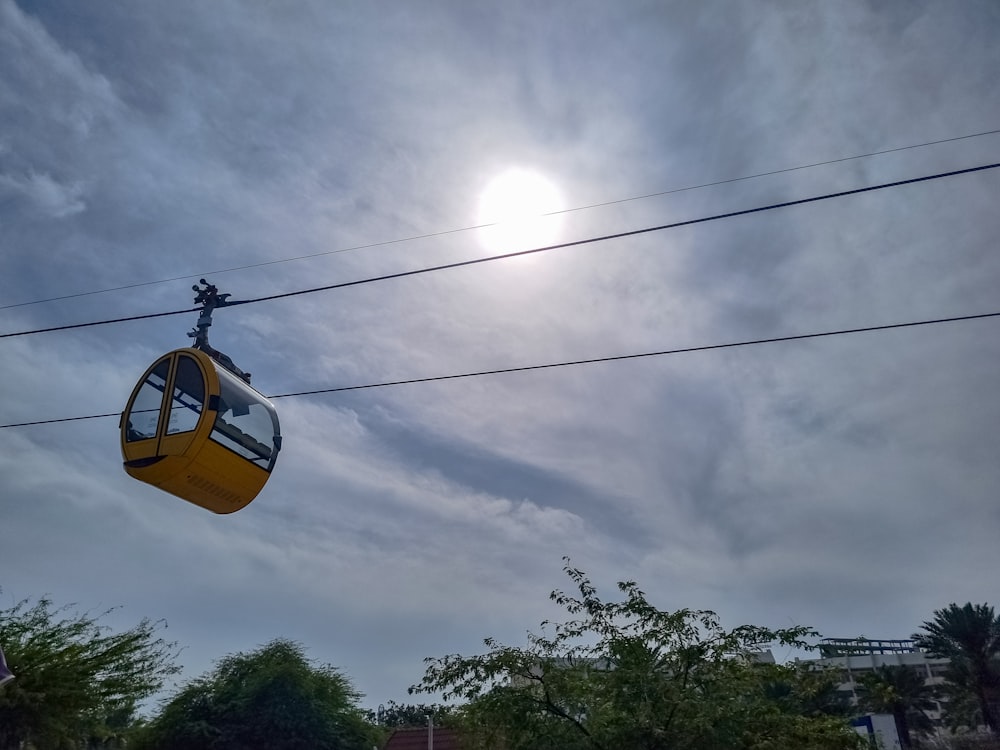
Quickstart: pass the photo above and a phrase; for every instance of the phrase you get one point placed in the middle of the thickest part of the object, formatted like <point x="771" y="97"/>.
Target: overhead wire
<point x="520" y="253"/>
<point x="445" y="232"/>
<point x="664" y="352"/>
<point x="578" y="362"/>
<point x="629" y="233"/>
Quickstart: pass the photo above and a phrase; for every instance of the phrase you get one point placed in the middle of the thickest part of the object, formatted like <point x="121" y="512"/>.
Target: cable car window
<point x="246" y="423"/>
<point x="144" y="416"/>
<point x="189" y="397"/>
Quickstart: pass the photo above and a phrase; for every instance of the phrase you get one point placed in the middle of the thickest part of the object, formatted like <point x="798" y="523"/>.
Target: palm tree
<point x="899" y="691"/>
<point x="970" y="637"/>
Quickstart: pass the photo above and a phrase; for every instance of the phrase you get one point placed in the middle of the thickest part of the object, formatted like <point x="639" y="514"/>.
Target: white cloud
<point x="47" y="195"/>
<point x="841" y="483"/>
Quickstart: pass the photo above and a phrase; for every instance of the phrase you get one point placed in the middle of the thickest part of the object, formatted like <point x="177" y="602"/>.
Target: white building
<point x="852" y="657"/>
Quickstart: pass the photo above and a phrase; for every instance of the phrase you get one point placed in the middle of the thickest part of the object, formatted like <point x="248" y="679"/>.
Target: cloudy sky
<point x="847" y="483"/>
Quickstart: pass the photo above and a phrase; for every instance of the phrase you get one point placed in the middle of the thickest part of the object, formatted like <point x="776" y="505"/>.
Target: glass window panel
<point x="189" y="397"/>
<point x="144" y="416"/>
<point x="246" y="423"/>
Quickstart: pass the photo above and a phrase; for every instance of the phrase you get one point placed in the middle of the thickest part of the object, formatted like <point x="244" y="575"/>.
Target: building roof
<point x="416" y="739"/>
<point x="830" y="647"/>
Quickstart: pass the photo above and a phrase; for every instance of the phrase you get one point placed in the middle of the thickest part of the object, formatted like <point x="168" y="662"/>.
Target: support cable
<point x="630" y="233"/>
<point x="574" y="243"/>
<point x="573" y="363"/>
<point x="445" y="232"/>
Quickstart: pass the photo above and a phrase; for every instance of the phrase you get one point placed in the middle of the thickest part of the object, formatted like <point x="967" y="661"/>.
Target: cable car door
<point x="187" y="404"/>
<point x="158" y="426"/>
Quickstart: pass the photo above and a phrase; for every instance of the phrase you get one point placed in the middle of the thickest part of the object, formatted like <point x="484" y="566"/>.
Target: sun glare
<point x="519" y="205"/>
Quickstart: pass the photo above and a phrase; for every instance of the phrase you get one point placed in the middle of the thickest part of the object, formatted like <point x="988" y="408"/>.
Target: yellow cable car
<point x="194" y="427"/>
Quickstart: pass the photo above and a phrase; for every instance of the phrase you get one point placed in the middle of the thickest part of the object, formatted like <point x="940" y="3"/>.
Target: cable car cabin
<point x="213" y="441"/>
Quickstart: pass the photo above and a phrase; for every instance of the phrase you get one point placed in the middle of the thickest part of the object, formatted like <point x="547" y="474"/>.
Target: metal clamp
<point x="209" y="299"/>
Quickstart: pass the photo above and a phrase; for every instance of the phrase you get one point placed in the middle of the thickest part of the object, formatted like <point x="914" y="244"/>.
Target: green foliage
<point x="970" y="637"/>
<point x="808" y="691"/>
<point x="623" y="675"/>
<point x="900" y="691"/>
<point x="272" y="698"/>
<point x="77" y="682"/>
<point x="393" y="715"/>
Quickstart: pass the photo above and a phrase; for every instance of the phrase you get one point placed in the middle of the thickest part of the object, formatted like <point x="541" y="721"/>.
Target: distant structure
<point x="852" y="657"/>
<point x="830" y="648"/>
<point x="879" y="729"/>
<point x="423" y="738"/>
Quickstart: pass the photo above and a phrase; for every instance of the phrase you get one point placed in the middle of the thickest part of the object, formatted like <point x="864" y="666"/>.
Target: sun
<point x="521" y="208"/>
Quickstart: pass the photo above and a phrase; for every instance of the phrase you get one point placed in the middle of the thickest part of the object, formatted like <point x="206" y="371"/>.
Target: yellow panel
<point x="217" y="480"/>
<point x="162" y="471"/>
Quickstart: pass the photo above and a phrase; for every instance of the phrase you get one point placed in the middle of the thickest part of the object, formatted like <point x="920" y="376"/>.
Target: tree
<point x="624" y="675"/>
<point x="902" y="692"/>
<point x="77" y="682"/>
<point x="969" y="636"/>
<point x="809" y="691"/>
<point x="272" y="698"/>
<point x="392" y="715"/>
